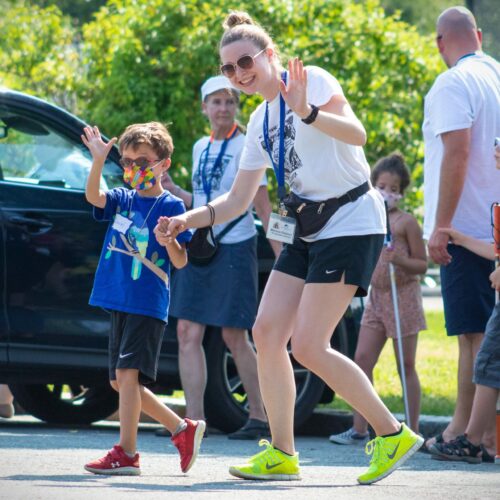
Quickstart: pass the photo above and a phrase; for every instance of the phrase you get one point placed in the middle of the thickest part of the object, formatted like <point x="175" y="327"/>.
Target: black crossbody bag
<point x="204" y="244"/>
<point x="311" y="216"/>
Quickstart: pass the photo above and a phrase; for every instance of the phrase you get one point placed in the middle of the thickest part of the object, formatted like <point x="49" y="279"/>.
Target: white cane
<point x="392" y="274"/>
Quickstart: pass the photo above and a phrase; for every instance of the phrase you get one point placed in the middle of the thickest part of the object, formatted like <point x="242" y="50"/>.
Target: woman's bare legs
<point x="271" y="333"/>
<point x="321" y="307"/>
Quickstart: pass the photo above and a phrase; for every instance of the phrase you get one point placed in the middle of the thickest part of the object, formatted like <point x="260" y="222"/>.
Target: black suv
<point x="53" y="345"/>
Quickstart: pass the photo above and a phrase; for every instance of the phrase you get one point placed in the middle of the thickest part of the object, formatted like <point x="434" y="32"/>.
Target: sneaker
<point x="116" y="463"/>
<point x="253" y="429"/>
<point x="188" y="442"/>
<point x="350" y="436"/>
<point x="388" y="453"/>
<point x="270" y="464"/>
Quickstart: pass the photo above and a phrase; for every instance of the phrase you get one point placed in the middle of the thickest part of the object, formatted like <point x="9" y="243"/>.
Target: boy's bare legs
<point x="148" y="403"/>
<point x="481" y="428"/>
<point x="129" y="408"/>
<point x="371" y="341"/>
<point x="321" y="307"/>
<point x="192" y="366"/>
<point x="245" y="360"/>
<point x="412" y="380"/>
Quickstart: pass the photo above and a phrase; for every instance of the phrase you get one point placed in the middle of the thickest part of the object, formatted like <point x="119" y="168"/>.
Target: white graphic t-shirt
<point x="222" y="180"/>
<point x="317" y="166"/>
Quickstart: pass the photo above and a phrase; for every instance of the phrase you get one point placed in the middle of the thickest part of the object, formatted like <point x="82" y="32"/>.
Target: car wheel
<point x="66" y="404"/>
<point x="226" y="402"/>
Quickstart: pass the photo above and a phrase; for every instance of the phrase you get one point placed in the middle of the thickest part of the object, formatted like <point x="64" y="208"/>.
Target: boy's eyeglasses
<point x="141" y="162"/>
<point x="244" y="62"/>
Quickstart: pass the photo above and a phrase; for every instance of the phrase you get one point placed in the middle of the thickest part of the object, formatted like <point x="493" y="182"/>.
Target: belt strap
<point x="354" y="194"/>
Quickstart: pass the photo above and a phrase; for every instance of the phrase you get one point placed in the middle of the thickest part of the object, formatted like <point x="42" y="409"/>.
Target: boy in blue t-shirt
<point x="132" y="281"/>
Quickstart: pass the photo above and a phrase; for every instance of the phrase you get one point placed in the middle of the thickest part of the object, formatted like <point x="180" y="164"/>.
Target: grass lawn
<point x="437" y="357"/>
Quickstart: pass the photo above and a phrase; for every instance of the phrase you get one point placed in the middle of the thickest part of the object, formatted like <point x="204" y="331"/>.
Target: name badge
<point x="121" y="224"/>
<point x="281" y="228"/>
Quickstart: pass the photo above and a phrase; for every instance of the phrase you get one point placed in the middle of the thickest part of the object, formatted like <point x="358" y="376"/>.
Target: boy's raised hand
<point x="97" y="147"/>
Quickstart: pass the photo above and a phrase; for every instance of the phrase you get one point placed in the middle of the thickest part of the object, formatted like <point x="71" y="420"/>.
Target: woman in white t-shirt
<point x="224" y="292"/>
<point x="307" y="131"/>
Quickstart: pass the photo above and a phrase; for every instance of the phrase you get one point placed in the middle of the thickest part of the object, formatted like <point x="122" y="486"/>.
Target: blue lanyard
<point x="207" y="183"/>
<point x="279" y="169"/>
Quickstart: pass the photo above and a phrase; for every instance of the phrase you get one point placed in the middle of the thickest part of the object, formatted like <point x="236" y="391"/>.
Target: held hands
<point x="495" y="279"/>
<point x="97" y="147"/>
<point x="437" y="246"/>
<point x="456" y="237"/>
<point x="295" y="91"/>
<point x="168" y="228"/>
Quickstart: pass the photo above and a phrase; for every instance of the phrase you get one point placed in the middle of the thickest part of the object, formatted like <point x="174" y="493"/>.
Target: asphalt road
<point x="45" y="462"/>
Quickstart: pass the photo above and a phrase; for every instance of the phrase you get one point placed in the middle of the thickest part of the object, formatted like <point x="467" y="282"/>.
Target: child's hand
<point x="97" y="147"/>
<point x="495" y="279"/>
<point x="176" y="226"/>
<point x="456" y="237"/>
<point x="160" y="231"/>
<point x="392" y="256"/>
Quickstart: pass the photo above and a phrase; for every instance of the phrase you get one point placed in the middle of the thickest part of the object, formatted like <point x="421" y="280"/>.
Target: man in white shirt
<point x="461" y="120"/>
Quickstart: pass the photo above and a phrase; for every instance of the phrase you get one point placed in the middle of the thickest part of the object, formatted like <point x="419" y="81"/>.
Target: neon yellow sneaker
<point x="388" y="453"/>
<point x="269" y="465"/>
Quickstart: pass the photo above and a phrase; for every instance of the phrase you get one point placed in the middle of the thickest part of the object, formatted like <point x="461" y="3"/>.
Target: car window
<point x="32" y="153"/>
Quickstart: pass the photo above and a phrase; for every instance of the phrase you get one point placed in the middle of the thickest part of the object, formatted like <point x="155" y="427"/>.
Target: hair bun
<point x="236" y="18"/>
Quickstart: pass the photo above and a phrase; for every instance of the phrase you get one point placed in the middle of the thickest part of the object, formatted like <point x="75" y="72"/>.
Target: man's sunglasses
<point x="244" y="62"/>
<point x="141" y="162"/>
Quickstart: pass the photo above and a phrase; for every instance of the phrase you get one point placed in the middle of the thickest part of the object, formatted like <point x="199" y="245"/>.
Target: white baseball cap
<point x="214" y="84"/>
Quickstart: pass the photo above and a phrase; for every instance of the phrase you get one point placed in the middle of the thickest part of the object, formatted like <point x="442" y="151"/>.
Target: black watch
<point x="312" y="115"/>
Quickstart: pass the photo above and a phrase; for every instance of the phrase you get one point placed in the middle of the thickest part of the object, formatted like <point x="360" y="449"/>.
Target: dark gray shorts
<point x="135" y="343"/>
<point x="487" y="367"/>
<point x="326" y="261"/>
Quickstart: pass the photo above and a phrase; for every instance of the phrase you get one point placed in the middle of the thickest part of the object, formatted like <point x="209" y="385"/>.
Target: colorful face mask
<point x="138" y="178"/>
<point x="390" y="198"/>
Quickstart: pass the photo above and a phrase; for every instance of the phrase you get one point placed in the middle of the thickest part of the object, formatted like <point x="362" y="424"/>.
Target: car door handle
<point x="29" y="221"/>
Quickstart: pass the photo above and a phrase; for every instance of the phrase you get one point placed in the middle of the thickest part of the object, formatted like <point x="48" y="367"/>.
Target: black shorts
<point x="135" y="343"/>
<point x="468" y="298"/>
<point x="326" y="261"/>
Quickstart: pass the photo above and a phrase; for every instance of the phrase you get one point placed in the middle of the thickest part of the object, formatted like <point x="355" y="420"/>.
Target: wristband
<point x="312" y="115"/>
<point x="212" y="214"/>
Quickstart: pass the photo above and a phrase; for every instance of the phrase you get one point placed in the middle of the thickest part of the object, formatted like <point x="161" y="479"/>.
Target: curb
<point x="324" y="422"/>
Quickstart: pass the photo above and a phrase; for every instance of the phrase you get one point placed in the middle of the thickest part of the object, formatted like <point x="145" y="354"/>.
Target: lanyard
<point x="279" y="169"/>
<point x="207" y="183"/>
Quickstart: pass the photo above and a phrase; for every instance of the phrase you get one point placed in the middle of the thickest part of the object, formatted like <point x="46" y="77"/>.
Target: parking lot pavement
<point x="43" y="462"/>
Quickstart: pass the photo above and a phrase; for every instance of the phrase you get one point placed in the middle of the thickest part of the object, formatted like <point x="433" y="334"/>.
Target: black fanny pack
<point x="204" y="245"/>
<point x="311" y="216"/>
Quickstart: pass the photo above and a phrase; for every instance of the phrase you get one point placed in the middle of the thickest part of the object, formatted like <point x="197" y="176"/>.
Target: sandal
<point x="486" y="457"/>
<point x="458" y="450"/>
<point x="438" y="440"/>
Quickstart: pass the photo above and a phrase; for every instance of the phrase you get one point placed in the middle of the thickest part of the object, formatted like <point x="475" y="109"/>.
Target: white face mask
<point x="390" y="198"/>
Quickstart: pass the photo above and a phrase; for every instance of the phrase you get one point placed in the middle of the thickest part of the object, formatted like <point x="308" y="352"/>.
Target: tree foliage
<point x="147" y="61"/>
<point x="140" y="61"/>
<point x="37" y="52"/>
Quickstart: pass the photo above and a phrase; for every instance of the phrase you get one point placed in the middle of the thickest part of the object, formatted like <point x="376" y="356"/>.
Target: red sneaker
<point x="188" y="442"/>
<point x="116" y="462"/>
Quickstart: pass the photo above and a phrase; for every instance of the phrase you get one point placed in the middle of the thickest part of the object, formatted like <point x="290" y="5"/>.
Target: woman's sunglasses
<point x="141" y="162"/>
<point x="244" y="62"/>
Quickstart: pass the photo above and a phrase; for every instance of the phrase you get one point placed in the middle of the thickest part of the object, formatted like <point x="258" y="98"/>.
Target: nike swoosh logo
<point x="126" y="355"/>
<point x="269" y="467"/>
<point x="330" y="272"/>
<point x="393" y="454"/>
